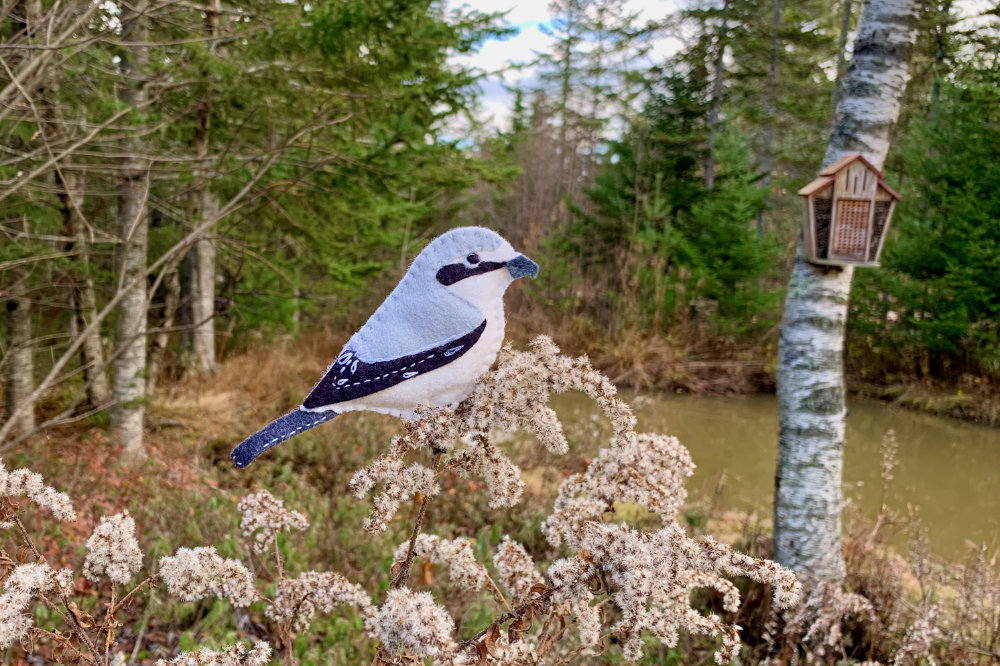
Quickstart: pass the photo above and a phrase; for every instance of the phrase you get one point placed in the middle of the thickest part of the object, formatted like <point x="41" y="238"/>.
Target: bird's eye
<point x="473" y="258"/>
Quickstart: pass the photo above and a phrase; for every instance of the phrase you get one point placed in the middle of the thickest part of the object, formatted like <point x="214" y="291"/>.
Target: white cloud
<point x="498" y="56"/>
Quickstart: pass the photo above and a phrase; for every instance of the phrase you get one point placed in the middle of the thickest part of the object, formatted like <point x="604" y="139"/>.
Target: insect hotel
<point x="847" y="213"/>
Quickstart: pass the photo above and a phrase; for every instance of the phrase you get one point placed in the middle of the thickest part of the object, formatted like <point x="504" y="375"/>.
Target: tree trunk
<point x="845" y="28"/>
<point x="84" y="302"/>
<point x="158" y="345"/>
<point x="203" y="205"/>
<point x="718" y="87"/>
<point x="20" y="365"/>
<point x="132" y="224"/>
<point x="811" y="406"/>
<point x="203" y="295"/>
<point x="771" y="105"/>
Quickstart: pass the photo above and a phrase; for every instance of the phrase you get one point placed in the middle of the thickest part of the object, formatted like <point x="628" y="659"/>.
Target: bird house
<point x="847" y="213"/>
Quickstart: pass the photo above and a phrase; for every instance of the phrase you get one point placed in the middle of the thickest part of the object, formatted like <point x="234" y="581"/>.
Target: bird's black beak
<point x="520" y="266"/>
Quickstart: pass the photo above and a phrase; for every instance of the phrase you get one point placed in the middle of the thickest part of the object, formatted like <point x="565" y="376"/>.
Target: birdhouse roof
<point x="845" y="161"/>
<point x="816" y="185"/>
<point x="827" y="176"/>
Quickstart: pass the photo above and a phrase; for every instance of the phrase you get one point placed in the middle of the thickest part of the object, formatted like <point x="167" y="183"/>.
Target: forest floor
<point x="185" y="494"/>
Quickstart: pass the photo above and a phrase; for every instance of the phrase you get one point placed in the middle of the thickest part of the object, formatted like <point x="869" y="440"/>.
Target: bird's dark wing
<point x="351" y="377"/>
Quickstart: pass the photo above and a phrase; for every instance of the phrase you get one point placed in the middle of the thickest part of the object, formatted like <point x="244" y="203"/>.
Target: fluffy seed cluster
<point x="647" y="575"/>
<point x="264" y="517"/>
<point x="410" y="623"/>
<point x="197" y="573"/>
<point x="297" y="600"/>
<point x="651" y="574"/>
<point x="571" y="579"/>
<point x="235" y="655"/>
<point x="463" y="568"/>
<point x="112" y="550"/>
<point x="22" y="586"/>
<point x="399" y="483"/>
<point x="819" y="619"/>
<point x="25" y="483"/>
<point x="515" y="395"/>
<point x="647" y="469"/>
<point x="919" y="639"/>
<point x="516" y="569"/>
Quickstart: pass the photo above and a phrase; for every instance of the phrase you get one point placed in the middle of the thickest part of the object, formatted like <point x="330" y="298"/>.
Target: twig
<point x="517" y="612"/>
<point x="497" y="594"/>
<point x="404" y="571"/>
<point x="65" y="599"/>
<point x="64" y="640"/>
<point x="142" y="632"/>
<point x="128" y="597"/>
<point x="600" y="642"/>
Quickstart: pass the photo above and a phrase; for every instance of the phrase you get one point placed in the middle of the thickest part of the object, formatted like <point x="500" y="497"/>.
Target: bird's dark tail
<point x="277" y="431"/>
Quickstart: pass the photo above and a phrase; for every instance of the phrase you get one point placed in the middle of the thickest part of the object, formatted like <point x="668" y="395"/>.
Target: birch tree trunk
<point x="132" y="226"/>
<point x="718" y="88"/>
<point x="20" y="365"/>
<point x="84" y="302"/>
<point x="203" y="205"/>
<point x="771" y="106"/>
<point x="845" y="28"/>
<point x="811" y="405"/>
<point x="19" y="401"/>
<point x="203" y="295"/>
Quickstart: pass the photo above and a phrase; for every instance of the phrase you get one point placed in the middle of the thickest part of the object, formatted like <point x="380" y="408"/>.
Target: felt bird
<point x="427" y="344"/>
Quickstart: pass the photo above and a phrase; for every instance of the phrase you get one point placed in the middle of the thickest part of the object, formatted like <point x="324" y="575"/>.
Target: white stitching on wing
<point x="346" y="358"/>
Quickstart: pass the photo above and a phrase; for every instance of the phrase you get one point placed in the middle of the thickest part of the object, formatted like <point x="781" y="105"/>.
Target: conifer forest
<point x="699" y="444"/>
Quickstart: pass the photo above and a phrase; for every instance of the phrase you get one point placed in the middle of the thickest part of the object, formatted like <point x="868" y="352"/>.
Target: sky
<point x="528" y="18"/>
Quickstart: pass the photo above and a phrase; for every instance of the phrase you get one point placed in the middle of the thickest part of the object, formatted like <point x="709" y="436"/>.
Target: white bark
<point x="84" y="302"/>
<point x="20" y="366"/>
<point x="203" y="295"/>
<point x="771" y="106"/>
<point x="132" y="225"/>
<point x="811" y="405"/>
<point x="845" y="27"/>
<point x="718" y="88"/>
<point x="204" y="205"/>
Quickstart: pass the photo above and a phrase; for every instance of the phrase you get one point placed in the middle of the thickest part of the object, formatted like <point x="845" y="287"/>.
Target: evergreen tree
<point x="932" y="310"/>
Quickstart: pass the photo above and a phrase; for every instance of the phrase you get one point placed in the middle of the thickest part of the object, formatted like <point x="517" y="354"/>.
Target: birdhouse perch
<point x="847" y="213"/>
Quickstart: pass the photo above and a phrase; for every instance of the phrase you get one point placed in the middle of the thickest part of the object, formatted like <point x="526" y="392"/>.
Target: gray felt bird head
<point x="427" y="344"/>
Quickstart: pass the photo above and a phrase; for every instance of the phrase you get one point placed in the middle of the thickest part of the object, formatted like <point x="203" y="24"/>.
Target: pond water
<point x="948" y="471"/>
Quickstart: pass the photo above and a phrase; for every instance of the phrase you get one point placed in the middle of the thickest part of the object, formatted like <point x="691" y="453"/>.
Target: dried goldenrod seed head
<point x="264" y="517"/>
<point x="25" y="483"/>
<point x="196" y="573"/>
<point x="112" y="550"/>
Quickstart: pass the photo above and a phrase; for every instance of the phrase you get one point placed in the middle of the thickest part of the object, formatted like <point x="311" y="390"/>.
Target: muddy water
<point x="948" y="471"/>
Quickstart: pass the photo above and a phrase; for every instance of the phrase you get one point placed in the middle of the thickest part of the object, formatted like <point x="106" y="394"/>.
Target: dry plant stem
<point x="63" y="640"/>
<point x="516" y="613"/>
<point x="277" y="561"/>
<point x="109" y="626"/>
<point x="65" y="600"/>
<point x="128" y="597"/>
<point x="404" y="571"/>
<point x="601" y="643"/>
<point x="497" y="594"/>
<point x="141" y="633"/>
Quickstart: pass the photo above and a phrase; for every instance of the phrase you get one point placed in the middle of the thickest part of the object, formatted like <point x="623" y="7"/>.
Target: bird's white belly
<point x="441" y="387"/>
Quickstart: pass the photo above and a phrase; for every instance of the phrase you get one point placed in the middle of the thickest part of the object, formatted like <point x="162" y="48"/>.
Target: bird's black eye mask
<point x="452" y="273"/>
